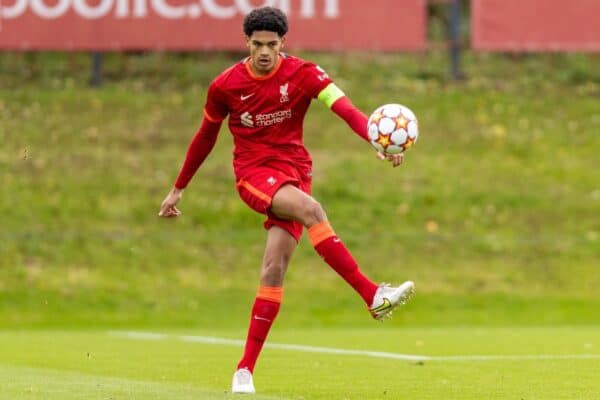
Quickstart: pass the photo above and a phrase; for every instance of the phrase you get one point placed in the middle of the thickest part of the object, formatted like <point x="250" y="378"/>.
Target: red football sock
<point x="265" y="309"/>
<point x="333" y="251"/>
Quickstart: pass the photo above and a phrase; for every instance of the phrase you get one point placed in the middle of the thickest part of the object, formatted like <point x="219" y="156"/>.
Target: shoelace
<point x="244" y="376"/>
<point x="383" y="288"/>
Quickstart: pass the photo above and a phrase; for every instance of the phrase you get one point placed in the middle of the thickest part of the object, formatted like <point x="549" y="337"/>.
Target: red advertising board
<point x="207" y="24"/>
<point x="536" y="25"/>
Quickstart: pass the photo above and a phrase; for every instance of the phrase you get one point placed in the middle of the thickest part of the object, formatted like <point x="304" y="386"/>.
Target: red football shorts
<point x="258" y="186"/>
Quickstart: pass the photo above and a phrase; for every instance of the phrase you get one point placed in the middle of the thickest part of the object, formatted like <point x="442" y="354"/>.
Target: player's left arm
<point x="335" y="99"/>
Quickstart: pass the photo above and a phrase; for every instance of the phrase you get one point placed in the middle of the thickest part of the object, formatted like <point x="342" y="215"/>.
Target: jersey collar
<point x="270" y="74"/>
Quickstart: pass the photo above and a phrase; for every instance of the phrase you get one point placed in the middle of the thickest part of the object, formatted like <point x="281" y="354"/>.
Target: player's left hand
<point x="395" y="159"/>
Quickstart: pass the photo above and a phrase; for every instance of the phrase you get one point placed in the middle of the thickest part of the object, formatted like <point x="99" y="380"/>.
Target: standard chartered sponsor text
<point x="219" y="9"/>
<point x="273" y="118"/>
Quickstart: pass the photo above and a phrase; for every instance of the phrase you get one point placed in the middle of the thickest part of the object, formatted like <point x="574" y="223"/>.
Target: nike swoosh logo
<point x="242" y="97"/>
<point x="264" y="319"/>
<point x="386" y="304"/>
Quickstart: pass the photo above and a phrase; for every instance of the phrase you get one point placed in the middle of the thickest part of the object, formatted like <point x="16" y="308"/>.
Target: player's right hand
<point x="167" y="208"/>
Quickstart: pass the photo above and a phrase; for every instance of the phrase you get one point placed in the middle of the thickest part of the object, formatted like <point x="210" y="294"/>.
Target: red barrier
<point x="536" y="25"/>
<point x="207" y="24"/>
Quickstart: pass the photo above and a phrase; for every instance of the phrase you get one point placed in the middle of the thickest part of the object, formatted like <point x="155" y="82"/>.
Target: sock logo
<point x="263" y="319"/>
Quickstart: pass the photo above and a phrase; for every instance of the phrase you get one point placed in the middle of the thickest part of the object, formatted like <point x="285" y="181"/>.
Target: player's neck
<point x="263" y="74"/>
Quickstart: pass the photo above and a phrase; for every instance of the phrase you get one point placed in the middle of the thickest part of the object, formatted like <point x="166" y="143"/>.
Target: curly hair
<point x="266" y="19"/>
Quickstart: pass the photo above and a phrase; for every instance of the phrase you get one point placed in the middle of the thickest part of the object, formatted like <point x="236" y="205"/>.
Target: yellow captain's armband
<point x="330" y="94"/>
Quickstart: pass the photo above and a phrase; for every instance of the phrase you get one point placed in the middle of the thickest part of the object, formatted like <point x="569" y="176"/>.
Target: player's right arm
<point x="200" y="147"/>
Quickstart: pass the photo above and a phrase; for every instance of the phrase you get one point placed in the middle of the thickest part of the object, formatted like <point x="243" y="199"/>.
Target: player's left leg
<point x="278" y="252"/>
<point x="292" y="203"/>
<point x="289" y="202"/>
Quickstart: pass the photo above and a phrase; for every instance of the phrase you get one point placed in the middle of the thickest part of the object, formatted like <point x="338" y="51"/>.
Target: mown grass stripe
<point x="350" y="352"/>
<point x="20" y="382"/>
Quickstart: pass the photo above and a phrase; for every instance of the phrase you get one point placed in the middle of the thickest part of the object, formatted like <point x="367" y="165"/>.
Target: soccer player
<point x="266" y="97"/>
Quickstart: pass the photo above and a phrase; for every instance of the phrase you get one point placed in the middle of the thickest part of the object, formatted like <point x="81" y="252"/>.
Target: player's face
<point x="264" y="51"/>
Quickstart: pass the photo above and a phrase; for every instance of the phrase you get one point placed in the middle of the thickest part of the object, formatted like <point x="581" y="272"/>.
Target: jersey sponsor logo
<point x="262" y="120"/>
<point x="283" y="90"/>
<point x="242" y="97"/>
<point x="246" y="119"/>
<point x="273" y="118"/>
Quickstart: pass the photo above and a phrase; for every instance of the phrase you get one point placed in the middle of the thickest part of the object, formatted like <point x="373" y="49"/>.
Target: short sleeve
<point x="216" y="109"/>
<point x="314" y="79"/>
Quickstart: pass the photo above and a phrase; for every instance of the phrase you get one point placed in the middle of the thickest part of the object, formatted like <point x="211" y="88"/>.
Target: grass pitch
<point x="494" y="215"/>
<point x="522" y="363"/>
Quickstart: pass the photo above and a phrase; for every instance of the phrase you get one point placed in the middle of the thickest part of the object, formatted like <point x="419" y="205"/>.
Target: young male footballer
<point x="266" y="97"/>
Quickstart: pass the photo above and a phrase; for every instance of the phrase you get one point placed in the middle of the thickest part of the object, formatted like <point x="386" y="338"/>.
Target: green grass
<point x="494" y="213"/>
<point x="92" y="365"/>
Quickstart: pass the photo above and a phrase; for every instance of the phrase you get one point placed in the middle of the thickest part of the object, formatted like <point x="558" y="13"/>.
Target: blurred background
<point x="495" y="213"/>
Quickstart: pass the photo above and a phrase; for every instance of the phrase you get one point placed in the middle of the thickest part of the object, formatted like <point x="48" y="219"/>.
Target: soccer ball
<point x="392" y="128"/>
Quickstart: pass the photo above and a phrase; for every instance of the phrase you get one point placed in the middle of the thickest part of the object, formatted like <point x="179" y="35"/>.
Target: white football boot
<point x="387" y="298"/>
<point x="242" y="382"/>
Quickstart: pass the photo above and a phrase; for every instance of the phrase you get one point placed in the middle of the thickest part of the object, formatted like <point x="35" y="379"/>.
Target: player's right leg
<point x="278" y="252"/>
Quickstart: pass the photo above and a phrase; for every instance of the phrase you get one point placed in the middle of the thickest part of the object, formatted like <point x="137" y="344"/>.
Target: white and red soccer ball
<point x="392" y="128"/>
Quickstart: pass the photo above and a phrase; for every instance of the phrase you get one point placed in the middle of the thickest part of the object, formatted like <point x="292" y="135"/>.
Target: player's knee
<point x="275" y="267"/>
<point x="313" y="212"/>
<point x="273" y="271"/>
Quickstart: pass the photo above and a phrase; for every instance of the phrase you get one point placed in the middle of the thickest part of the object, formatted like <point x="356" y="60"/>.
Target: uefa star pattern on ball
<point x="392" y="128"/>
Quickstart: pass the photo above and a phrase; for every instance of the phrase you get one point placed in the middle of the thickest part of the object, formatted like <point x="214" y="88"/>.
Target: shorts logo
<point x="283" y="90"/>
<point x="271" y="181"/>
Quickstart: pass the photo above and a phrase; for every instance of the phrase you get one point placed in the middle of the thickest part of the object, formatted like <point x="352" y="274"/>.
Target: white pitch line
<point x="366" y="353"/>
<point x="303" y="348"/>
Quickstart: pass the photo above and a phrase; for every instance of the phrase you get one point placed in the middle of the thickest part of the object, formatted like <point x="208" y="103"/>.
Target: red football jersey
<point x="276" y="104"/>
